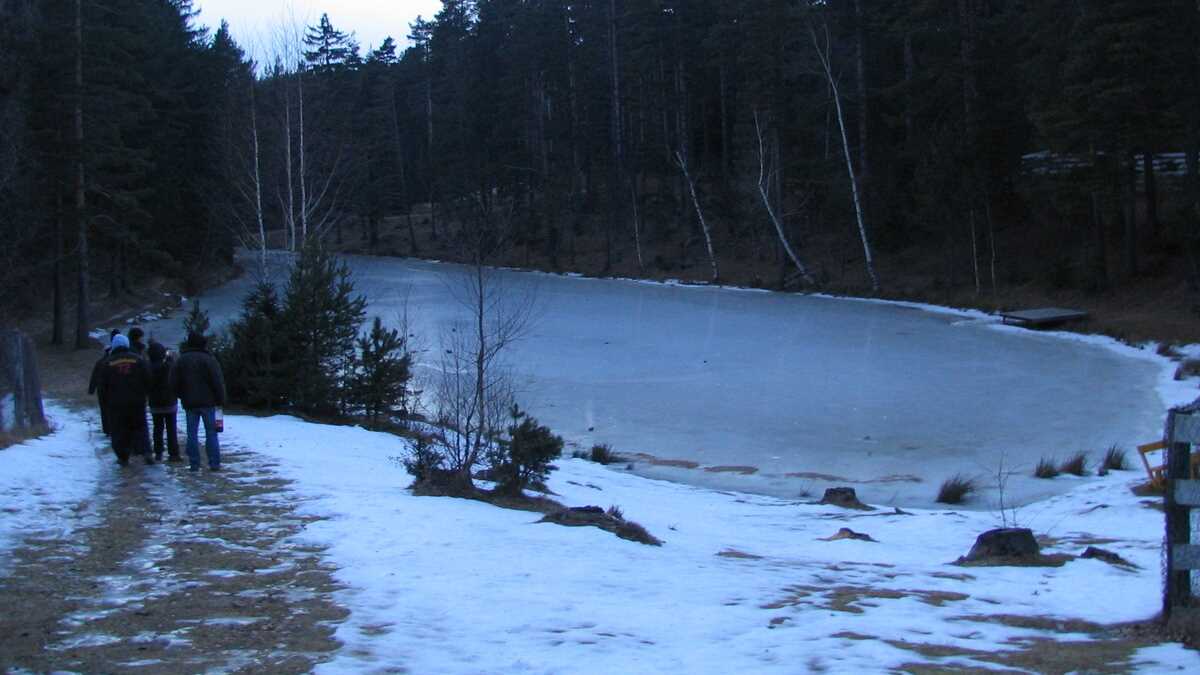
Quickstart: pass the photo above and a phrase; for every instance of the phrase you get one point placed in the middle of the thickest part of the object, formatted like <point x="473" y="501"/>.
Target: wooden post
<point x="1182" y="494"/>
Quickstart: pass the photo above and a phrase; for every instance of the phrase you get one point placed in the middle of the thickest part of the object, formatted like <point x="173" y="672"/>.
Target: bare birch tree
<point x="318" y="183"/>
<point x="823" y="56"/>
<point x="475" y="390"/>
<point x="681" y="160"/>
<point x="764" y="183"/>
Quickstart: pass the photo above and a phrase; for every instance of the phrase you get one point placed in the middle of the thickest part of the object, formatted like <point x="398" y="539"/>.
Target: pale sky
<point x="370" y="20"/>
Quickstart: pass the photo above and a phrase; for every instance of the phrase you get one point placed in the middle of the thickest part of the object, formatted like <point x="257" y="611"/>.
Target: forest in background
<point x="937" y="149"/>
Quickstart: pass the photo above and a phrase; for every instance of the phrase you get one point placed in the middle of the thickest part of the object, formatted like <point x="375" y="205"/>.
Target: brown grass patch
<point x="740" y="555"/>
<point x="851" y="635"/>
<point x="743" y="470"/>
<point x="849" y="598"/>
<point x="659" y="461"/>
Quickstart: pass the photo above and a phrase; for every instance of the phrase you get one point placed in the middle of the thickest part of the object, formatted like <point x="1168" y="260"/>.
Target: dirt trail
<point x="178" y="572"/>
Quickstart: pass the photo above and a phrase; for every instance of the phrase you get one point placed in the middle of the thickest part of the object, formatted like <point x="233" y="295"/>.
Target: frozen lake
<point x="805" y="392"/>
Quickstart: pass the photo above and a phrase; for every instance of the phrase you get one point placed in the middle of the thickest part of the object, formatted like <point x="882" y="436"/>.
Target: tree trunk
<point x="637" y="232"/>
<point x="823" y="55"/>
<point x="303" y="167"/>
<point x="860" y="67"/>
<point x="1099" y="262"/>
<point x="724" y="96"/>
<point x="258" y="200"/>
<point x="1129" y="213"/>
<point x="910" y="69"/>
<point x="614" y="136"/>
<point x="59" y="321"/>
<point x="1151" y="185"/>
<point x="712" y="258"/>
<point x="290" y="217"/>
<point x="82" y="322"/>
<point x="1192" y="142"/>
<point x="431" y="182"/>
<point x="763" y="183"/>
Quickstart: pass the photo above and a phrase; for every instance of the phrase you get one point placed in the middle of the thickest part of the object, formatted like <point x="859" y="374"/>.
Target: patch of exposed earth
<point x="177" y="572"/>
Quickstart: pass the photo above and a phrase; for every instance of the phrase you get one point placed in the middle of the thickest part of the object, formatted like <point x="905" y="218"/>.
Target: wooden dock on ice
<point x="1045" y="316"/>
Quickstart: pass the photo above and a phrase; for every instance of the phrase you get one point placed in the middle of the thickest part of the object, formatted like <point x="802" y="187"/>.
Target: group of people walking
<point x="132" y="376"/>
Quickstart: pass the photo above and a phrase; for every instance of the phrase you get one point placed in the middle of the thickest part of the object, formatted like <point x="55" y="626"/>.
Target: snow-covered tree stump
<point x="1015" y="543"/>
<point x="844" y="497"/>
<point x="20" y="386"/>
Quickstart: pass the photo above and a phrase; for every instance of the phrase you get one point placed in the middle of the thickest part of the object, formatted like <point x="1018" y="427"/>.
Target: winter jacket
<point x="124" y="381"/>
<point x="197" y="380"/>
<point x="94" y="382"/>
<point x="162" y="395"/>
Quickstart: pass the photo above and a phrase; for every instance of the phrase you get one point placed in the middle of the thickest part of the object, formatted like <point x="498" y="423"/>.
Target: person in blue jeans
<point x="198" y="382"/>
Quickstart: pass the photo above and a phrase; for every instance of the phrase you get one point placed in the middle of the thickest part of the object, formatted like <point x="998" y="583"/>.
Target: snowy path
<point x="170" y="572"/>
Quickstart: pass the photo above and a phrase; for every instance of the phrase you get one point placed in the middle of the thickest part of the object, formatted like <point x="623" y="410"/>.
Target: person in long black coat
<point x="124" y="384"/>
<point x="94" y="382"/>
<point x="163" y="402"/>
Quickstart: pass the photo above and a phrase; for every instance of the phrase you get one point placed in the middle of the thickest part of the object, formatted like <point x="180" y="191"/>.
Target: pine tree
<point x="523" y="458"/>
<point x="329" y="48"/>
<point x="379" y="386"/>
<point x="320" y="319"/>
<point x="196" y="321"/>
<point x="254" y="357"/>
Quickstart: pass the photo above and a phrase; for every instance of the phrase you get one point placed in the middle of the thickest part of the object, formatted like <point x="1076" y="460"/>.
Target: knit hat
<point x="120" y="342"/>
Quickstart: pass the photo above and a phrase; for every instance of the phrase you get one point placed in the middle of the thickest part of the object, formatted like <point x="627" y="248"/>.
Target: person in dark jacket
<point x="199" y="384"/>
<point x="135" y="341"/>
<point x="163" y="402"/>
<point x="124" y="383"/>
<point x="94" y="382"/>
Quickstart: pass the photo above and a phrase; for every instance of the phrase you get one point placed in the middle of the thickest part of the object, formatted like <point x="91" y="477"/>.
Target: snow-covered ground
<point x="48" y="485"/>
<point x="806" y="391"/>
<point x="743" y="583"/>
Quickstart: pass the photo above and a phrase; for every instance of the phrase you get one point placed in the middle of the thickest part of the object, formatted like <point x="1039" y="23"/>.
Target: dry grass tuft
<point x="1115" y="459"/>
<point x="1075" y="465"/>
<point x="1045" y="468"/>
<point x="955" y="489"/>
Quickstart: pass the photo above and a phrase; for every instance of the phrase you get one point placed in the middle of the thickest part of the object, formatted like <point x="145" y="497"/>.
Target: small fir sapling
<point x="523" y="457"/>
<point x="379" y="383"/>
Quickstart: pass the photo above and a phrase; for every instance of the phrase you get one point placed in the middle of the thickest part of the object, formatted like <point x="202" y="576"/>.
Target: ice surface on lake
<point x="886" y="398"/>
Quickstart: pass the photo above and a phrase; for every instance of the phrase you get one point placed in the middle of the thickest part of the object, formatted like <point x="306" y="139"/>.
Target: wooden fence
<point x="1182" y="495"/>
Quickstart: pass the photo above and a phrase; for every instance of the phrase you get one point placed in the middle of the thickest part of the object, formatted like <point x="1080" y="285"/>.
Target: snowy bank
<point x="47" y="485"/>
<point x="744" y="583"/>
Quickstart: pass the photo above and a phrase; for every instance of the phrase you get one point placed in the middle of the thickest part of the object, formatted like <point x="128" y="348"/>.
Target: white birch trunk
<point x="763" y="182"/>
<point x="823" y="55"/>
<point x="258" y="205"/>
<point x="712" y="258"/>
<point x="291" y="181"/>
<point x="303" y="171"/>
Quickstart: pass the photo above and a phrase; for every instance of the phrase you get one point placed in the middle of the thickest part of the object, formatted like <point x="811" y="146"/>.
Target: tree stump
<point x="1014" y="543"/>
<point x="20" y="386"/>
<point x="844" y="497"/>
